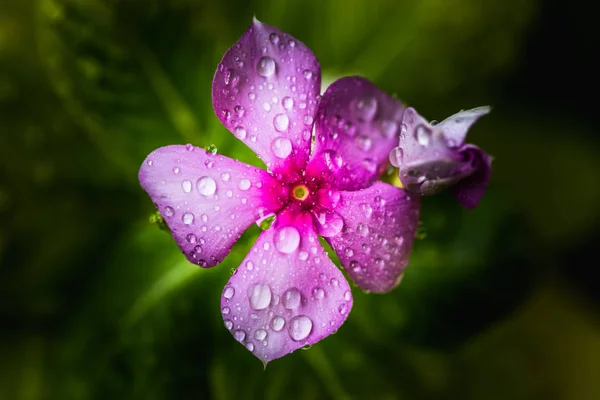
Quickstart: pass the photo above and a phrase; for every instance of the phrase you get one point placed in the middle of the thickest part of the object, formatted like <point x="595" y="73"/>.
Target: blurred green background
<point x="96" y="302"/>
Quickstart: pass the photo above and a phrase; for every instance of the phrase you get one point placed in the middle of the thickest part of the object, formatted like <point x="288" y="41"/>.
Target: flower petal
<point x="207" y="200"/>
<point x="432" y="158"/>
<point x="287" y="293"/>
<point x="357" y="127"/>
<point x="380" y="223"/>
<point x="471" y="189"/>
<point x="265" y="92"/>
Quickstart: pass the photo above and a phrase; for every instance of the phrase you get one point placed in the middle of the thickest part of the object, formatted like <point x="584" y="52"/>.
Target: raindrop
<point x="347" y="295"/>
<point x="240" y="133"/>
<point x="364" y="143"/>
<point x="239" y="335"/>
<point x="333" y="160"/>
<point x="343" y="309"/>
<point x="226" y="310"/>
<point x="307" y="73"/>
<point x="397" y="156"/>
<point x="422" y="135"/>
<point x="211" y="149"/>
<point x="228" y="292"/>
<point x="366" y="108"/>
<point x="169" y="211"/>
<point x="329" y="224"/>
<point x="225" y="176"/>
<point x="266" y="66"/>
<point x="308" y="120"/>
<point x="303" y="255"/>
<point x="187" y="218"/>
<point x="231" y="77"/>
<point x="206" y="186"/>
<point x="186" y="185"/>
<point x="260" y="296"/>
<point x="291" y="298"/>
<point x="274" y="38"/>
<point x="287" y="239"/>
<point x="260" y="334"/>
<point x="281" y="147"/>
<point x="190" y="238"/>
<point x="228" y="324"/>
<point x="250" y="346"/>
<point x="277" y="323"/>
<point x="239" y="110"/>
<point x="281" y="122"/>
<point x="250" y="265"/>
<point x="318" y="293"/>
<point x="362" y="229"/>
<point x="288" y="103"/>
<point x="348" y="252"/>
<point x="244" y="184"/>
<point x="300" y="327"/>
<point x="176" y="170"/>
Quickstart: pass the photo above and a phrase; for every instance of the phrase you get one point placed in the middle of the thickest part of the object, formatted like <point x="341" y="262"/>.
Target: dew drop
<point x="260" y="296"/>
<point x="300" y="327"/>
<point x="397" y="156"/>
<point x="318" y="293"/>
<point x="303" y="255"/>
<point x="260" y="334"/>
<point x="239" y="110"/>
<point x="291" y="298"/>
<point x="277" y="323"/>
<point x="250" y="346"/>
<point x="307" y="73"/>
<point x="186" y="185"/>
<point x="281" y="122"/>
<point x="366" y="108"/>
<point x="187" y="218"/>
<point x="239" y="335"/>
<point x="240" y="132"/>
<point x="176" y="170"/>
<point x="266" y="66"/>
<point x="364" y="143"/>
<point x="225" y="176"/>
<point x="244" y="184"/>
<point x="343" y="309"/>
<point x="191" y="238"/>
<point x="274" y="38"/>
<point x="288" y="103"/>
<point x="206" y="186"/>
<point x="422" y="135"/>
<point x="281" y="147"/>
<point x="228" y="324"/>
<point x="169" y="212"/>
<point x="348" y="252"/>
<point x="228" y="292"/>
<point x="287" y="239"/>
<point x="225" y="310"/>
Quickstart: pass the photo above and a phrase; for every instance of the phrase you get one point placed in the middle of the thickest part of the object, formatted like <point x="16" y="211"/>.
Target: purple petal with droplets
<point x="265" y="91"/>
<point x="471" y="189"/>
<point x="380" y="223"/>
<point x="207" y="200"/>
<point x="432" y="158"/>
<point x="287" y="293"/>
<point x="358" y="125"/>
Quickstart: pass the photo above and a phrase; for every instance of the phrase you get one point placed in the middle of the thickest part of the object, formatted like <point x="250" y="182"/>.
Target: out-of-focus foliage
<point x="98" y="303"/>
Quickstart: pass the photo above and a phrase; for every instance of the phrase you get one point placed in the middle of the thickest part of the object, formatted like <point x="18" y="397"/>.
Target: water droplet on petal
<point x="300" y="327"/>
<point x="206" y="186"/>
<point x="277" y="323"/>
<point x="260" y="296"/>
<point x="228" y="292"/>
<point x="362" y="230"/>
<point x="287" y="239"/>
<point x="348" y="252"/>
<point x="186" y="185"/>
<point x="318" y="293"/>
<point x="288" y="103"/>
<point x="187" y="218"/>
<point x="281" y="122"/>
<point x="244" y="184"/>
<point x="260" y="334"/>
<point x="422" y="135"/>
<point x="250" y="346"/>
<point x="281" y="147"/>
<point x="343" y="309"/>
<point x="176" y="170"/>
<point x="266" y="66"/>
<point x="169" y="212"/>
<point x="364" y="143"/>
<point x="211" y="149"/>
<point x="190" y="238"/>
<point x="274" y="38"/>
<point x="240" y="133"/>
<point x="225" y="176"/>
<point x="291" y="298"/>
<point x="239" y="335"/>
<point x="366" y="108"/>
<point x="228" y="324"/>
<point x="329" y="223"/>
<point x="226" y="310"/>
<point x="397" y="156"/>
<point x="303" y="255"/>
<point x="307" y="73"/>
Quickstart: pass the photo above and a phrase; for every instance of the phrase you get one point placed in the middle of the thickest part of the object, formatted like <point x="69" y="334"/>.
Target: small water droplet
<point x="343" y="309"/>
<point x="211" y="149"/>
<point x="291" y="298"/>
<point x="307" y="73"/>
<point x="300" y="327"/>
<point x="228" y="324"/>
<point x="250" y="346"/>
<point x="230" y="77"/>
<point x="287" y="239"/>
<point x="176" y="170"/>
<point x="244" y="184"/>
<point x="288" y="103"/>
<point x="277" y="323"/>
<point x="187" y="218"/>
<point x="228" y="292"/>
<point x="206" y="186"/>
<point x="239" y="110"/>
<point x="225" y="310"/>
<point x="281" y="122"/>
<point x="348" y="252"/>
<point x="240" y="133"/>
<point x="186" y="185"/>
<point x="366" y="108"/>
<point x="303" y="255"/>
<point x="266" y="66"/>
<point x="260" y="296"/>
<point x="190" y="238"/>
<point x="281" y="147"/>
<point x="274" y="38"/>
<point x="169" y="212"/>
<point x="266" y="106"/>
<point x="364" y="143"/>
<point x="225" y="176"/>
<point x="308" y="120"/>
<point x="260" y="334"/>
<point x="318" y="293"/>
<point x="348" y="295"/>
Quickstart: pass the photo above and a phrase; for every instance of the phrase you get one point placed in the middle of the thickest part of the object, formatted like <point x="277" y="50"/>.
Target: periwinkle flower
<point x="287" y="293"/>
<point x="432" y="158"/>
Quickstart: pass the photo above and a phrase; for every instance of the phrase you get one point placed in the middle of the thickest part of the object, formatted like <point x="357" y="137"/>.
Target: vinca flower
<point x="432" y="157"/>
<point x="287" y="293"/>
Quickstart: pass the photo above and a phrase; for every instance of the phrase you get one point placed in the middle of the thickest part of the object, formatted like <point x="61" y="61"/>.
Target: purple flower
<point x="287" y="293"/>
<point x="431" y="157"/>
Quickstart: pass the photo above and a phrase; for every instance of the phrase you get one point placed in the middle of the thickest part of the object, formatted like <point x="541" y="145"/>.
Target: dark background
<point x="96" y="302"/>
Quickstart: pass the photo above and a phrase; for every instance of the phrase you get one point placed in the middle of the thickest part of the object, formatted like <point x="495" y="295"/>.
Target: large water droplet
<point x="244" y="184"/>
<point x="300" y="327"/>
<point x="329" y="223"/>
<point x="206" y="186"/>
<point x="281" y="122"/>
<point x="287" y="239"/>
<point x="291" y="298"/>
<point x="228" y="292"/>
<point x="187" y="218"/>
<point x="186" y="185"/>
<point x="422" y="135"/>
<point x="281" y="147"/>
<point x="266" y="66"/>
<point x="397" y="156"/>
<point x="240" y="133"/>
<point x="288" y="103"/>
<point x="260" y="296"/>
<point x="277" y="323"/>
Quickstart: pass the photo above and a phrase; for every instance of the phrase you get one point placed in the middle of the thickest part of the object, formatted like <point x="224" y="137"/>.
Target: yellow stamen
<point x="300" y="192"/>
